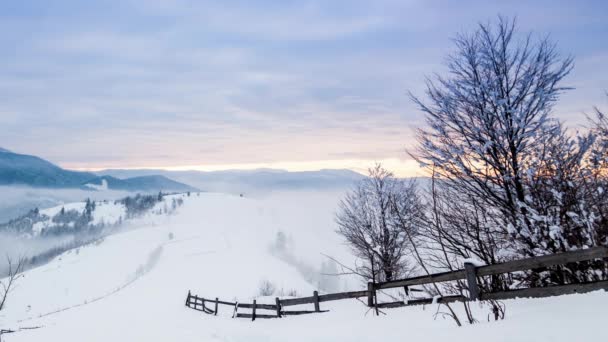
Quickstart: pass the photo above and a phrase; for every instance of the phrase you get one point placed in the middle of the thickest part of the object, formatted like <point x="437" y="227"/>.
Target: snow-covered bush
<point x="139" y="204"/>
<point x="266" y="288"/>
<point x="374" y="219"/>
<point x="288" y="293"/>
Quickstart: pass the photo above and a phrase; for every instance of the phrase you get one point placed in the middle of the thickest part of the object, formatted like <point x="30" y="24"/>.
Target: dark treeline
<point x="140" y="204"/>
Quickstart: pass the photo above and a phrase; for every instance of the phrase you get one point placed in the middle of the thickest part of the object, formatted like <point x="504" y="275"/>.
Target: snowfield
<point x="105" y="213"/>
<point x="132" y="286"/>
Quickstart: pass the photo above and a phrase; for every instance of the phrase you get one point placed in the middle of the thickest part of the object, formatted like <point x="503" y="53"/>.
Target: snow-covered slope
<point x="105" y="213"/>
<point x="82" y="217"/>
<point x="132" y="285"/>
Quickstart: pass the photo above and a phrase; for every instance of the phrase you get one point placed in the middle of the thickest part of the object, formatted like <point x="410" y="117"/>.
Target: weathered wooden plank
<point x="421" y="280"/>
<point x="259" y="306"/>
<point x="470" y="271"/>
<point x="188" y="299"/>
<point x="202" y="309"/>
<point x="422" y="301"/>
<point x="323" y="298"/>
<point x="244" y="315"/>
<point x="278" y="304"/>
<point x="315" y="295"/>
<point x="506" y="267"/>
<point x="407" y="290"/>
<point x="512" y="266"/>
<point x="540" y="292"/>
<point x="226" y="303"/>
<point x="370" y="294"/>
<point x="301" y="312"/>
<point x="544" y="261"/>
<point x="191" y="299"/>
<point x="206" y="309"/>
<point x="342" y="295"/>
<point x="236" y="309"/>
<point x="296" y="301"/>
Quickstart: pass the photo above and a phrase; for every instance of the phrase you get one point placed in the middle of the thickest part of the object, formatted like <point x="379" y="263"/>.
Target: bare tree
<point x="509" y="181"/>
<point x="366" y="220"/>
<point x="14" y="273"/>
<point x="486" y="120"/>
<point x="458" y="228"/>
<point x="417" y="243"/>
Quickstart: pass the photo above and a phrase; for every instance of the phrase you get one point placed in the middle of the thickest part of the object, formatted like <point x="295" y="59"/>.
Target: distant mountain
<point x="261" y="180"/>
<point x="33" y="171"/>
<point x="21" y="169"/>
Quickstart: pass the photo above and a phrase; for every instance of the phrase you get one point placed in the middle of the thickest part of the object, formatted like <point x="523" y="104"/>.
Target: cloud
<point x="272" y="20"/>
<point x="168" y="83"/>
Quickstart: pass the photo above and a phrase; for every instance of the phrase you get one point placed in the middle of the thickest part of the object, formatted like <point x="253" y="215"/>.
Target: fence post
<point x="188" y="299"/>
<point x="315" y="296"/>
<point x="253" y="311"/>
<point x="216" y="306"/>
<point x="471" y="273"/>
<point x="370" y="294"/>
<point x="236" y="308"/>
<point x="278" y="303"/>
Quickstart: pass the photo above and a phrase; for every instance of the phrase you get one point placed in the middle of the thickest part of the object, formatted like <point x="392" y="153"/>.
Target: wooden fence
<point x="470" y="273"/>
<point x="198" y="303"/>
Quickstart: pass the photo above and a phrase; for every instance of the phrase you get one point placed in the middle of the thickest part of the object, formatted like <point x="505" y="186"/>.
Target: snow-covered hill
<point x="83" y="217"/>
<point x="132" y="286"/>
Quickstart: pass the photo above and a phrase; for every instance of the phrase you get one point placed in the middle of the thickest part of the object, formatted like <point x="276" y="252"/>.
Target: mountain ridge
<point x="28" y="170"/>
<point x="258" y="180"/>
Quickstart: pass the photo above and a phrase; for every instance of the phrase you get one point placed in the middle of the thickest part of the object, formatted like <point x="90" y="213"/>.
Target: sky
<point x="211" y="85"/>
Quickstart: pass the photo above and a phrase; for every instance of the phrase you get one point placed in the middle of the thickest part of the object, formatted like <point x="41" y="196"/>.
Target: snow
<point x="50" y="212"/>
<point x="39" y="227"/>
<point x="105" y="212"/>
<point x="132" y="286"/>
<point x="475" y="262"/>
<point x="108" y="213"/>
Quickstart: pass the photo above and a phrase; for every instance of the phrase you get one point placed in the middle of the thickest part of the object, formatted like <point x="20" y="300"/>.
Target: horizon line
<point x="400" y="168"/>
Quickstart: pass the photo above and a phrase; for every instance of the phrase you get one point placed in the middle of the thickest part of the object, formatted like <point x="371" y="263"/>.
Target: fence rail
<point x="198" y="303"/>
<point x="470" y="273"/>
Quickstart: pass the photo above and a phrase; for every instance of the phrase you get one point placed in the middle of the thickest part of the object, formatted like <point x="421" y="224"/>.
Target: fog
<point x="252" y="182"/>
<point x="18" y="200"/>
<point x="15" y="248"/>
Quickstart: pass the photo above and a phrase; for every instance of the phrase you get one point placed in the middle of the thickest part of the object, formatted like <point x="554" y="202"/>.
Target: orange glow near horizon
<point x="401" y="168"/>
